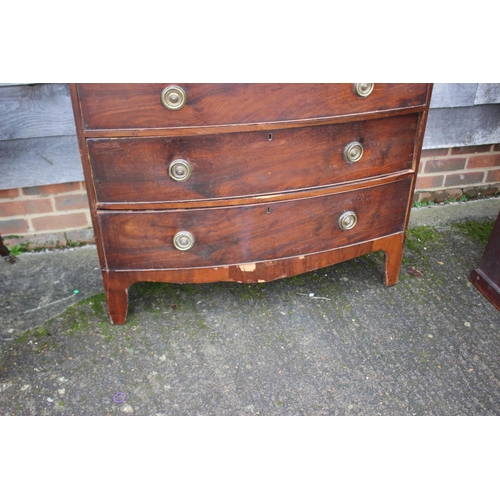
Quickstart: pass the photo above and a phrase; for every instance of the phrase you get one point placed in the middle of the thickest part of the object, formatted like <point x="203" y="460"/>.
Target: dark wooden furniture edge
<point x="486" y="287"/>
<point x="486" y="277"/>
<point x="4" y="251"/>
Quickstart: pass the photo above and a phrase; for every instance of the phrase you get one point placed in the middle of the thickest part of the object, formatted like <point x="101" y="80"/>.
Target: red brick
<point x="440" y="196"/>
<point x="453" y="193"/>
<point x="485" y="190"/>
<point x="66" y="221"/>
<point x="429" y="182"/>
<point x="37" y="206"/>
<point x="468" y="150"/>
<point x="13" y="226"/>
<point x="9" y="193"/>
<point x="25" y="207"/>
<point x="11" y="208"/>
<point x="426" y="153"/>
<point x="463" y="179"/>
<point x="484" y="161"/>
<point x="81" y="236"/>
<point x="52" y="188"/>
<point x="492" y="189"/>
<point x="71" y="202"/>
<point x="422" y="196"/>
<point x="444" y="165"/>
<point x="493" y="175"/>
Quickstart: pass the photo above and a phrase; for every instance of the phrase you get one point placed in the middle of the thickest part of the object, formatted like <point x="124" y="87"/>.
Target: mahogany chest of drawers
<point x="195" y="183"/>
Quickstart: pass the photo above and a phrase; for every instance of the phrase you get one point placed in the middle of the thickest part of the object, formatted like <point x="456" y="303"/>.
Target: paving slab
<point x="331" y="342"/>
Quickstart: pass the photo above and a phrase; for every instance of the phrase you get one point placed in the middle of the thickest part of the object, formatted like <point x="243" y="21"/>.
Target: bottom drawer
<point x="251" y="233"/>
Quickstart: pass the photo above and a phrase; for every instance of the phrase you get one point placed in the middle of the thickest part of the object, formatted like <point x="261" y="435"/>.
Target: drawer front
<point x="233" y="235"/>
<point x="139" y="106"/>
<point x="250" y="163"/>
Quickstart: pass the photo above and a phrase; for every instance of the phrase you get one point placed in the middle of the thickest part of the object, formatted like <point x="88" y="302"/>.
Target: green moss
<point x="75" y="244"/>
<point x="132" y="322"/>
<point x="38" y="333"/>
<point x="108" y="336"/>
<point x="299" y="279"/>
<point x="75" y="318"/>
<point x="145" y="289"/>
<point x="105" y="328"/>
<point x="97" y="303"/>
<point x="41" y="336"/>
<point x="373" y="258"/>
<point x="189" y="289"/>
<point x="420" y="204"/>
<point x="479" y="231"/>
<point x="24" y="337"/>
<point x="418" y="237"/>
<point x="18" y="249"/>
<point x="252" y="291"/>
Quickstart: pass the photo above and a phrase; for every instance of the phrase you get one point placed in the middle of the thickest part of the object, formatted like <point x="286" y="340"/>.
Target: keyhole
<point x="270" y="137"/>
<point x="268" y="210"/>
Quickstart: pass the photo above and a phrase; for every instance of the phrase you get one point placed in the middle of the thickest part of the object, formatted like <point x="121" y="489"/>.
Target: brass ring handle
<point x="179" y="170"/>
<point x="173" y="97"/>
<point x="183" y="241"/>
<point x="347" y="220"/>
<point x="363" y="89"/>
<point x="353" y="152"/>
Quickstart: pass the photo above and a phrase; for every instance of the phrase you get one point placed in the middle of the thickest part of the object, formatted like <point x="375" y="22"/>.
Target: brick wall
<point x="58" y="215"/>
<point x="46" y="216"/>
<point x="473" y="171"/>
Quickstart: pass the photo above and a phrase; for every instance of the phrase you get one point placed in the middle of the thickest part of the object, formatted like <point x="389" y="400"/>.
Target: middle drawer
<point x="239" y="164"/>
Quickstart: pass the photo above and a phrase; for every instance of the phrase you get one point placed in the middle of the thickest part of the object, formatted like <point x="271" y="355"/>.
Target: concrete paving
<point x="331" y="342"/>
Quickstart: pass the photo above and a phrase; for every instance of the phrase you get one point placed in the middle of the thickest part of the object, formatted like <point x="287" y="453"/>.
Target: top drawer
<point x="139" y="106"/>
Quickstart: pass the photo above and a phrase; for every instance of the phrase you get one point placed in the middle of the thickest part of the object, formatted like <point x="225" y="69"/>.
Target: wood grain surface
<point x="248" y="164"/>
<point x="138" y="106"/>
<point x="246" y="234"/>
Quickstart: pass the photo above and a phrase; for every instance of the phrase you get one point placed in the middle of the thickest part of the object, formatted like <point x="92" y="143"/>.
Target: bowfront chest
<point x="195" y="183"/>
